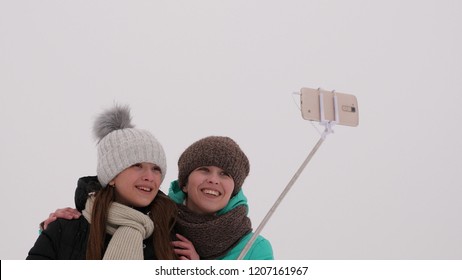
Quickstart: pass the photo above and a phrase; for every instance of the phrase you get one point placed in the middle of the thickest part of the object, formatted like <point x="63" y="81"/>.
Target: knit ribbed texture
<point x="213" y="236"/>
<point x="217" y="151"/>
<point x="128" y="227"/>
<point x="122" y="148"/>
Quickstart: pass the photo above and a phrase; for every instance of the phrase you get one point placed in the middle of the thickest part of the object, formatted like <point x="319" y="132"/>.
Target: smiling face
<point x="208" y="189"/>
<point x="137" y="185"/>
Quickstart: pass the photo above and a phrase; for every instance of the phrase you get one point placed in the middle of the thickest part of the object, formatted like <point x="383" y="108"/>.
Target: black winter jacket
<point x="67" y="240"/>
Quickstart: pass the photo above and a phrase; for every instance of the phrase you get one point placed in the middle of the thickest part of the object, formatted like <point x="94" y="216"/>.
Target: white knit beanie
<point x="120" y="145"/>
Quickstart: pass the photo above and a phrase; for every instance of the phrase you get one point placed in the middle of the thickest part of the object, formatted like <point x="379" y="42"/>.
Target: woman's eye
<point x="156" y="169"/>
<point x="225" y="174"/>
<point x="136" y="165"/>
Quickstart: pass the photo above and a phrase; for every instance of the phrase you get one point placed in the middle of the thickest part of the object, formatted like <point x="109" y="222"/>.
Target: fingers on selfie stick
<point x="320" y="106"/>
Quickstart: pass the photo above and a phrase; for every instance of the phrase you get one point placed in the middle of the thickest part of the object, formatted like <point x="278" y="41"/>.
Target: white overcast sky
<point x="390" y="188"/>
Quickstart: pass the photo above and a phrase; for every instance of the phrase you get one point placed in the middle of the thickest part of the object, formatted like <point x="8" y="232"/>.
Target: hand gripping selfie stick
<point x="328" y="130"/>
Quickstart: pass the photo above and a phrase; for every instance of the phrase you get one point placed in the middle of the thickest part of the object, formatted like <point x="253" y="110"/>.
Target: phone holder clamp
<point x="329" y="125"/>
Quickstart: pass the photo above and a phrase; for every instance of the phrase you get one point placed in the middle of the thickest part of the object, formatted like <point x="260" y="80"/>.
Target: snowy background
<point x="390" y="188"/>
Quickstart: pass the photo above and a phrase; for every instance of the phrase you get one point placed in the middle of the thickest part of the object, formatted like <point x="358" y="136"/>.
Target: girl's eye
<point x="156" y="169"/>
<point x="225" y="174"/>
<point x="136" y="165"/>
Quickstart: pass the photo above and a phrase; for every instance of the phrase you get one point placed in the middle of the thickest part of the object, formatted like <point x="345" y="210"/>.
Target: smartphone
<point x="346" y="103"/>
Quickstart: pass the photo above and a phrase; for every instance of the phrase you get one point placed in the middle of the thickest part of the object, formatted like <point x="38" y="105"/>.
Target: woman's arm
<point x="64" y="213"/>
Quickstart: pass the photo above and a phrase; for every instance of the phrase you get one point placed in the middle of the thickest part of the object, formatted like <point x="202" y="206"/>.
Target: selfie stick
<point x="328" y="130"/>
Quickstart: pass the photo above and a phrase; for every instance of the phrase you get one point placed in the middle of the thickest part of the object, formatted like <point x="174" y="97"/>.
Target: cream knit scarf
<point x="128" y="227"/>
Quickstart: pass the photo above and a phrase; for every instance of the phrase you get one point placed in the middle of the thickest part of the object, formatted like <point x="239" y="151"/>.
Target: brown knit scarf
<point x="213" y="236"/>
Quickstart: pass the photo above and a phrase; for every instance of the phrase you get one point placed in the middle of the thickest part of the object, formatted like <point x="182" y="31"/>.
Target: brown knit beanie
<point x="217" y="151"/>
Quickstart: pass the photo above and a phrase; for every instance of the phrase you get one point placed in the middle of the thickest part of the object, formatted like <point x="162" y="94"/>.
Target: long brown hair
<point x="163" y="213"/>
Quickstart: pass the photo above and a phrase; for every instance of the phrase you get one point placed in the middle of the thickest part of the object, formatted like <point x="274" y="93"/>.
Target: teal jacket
<point x="261" y="249"/>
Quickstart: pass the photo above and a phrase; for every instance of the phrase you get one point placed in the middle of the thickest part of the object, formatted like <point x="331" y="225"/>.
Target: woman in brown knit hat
<point x="213" y="209"/>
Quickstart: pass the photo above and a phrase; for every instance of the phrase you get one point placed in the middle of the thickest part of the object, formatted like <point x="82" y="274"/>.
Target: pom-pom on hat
<point x="120" y="145"/>
<point x="217" y="151"/>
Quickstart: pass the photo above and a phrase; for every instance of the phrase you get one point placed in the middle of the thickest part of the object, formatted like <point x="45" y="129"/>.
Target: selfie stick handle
<point x="278" y="201"/>
<point x="328" y="125"/>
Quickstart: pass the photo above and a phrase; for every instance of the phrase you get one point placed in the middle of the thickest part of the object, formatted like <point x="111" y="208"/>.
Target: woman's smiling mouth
<point x="143" y="188"/>
<point x="211" y="192"/>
